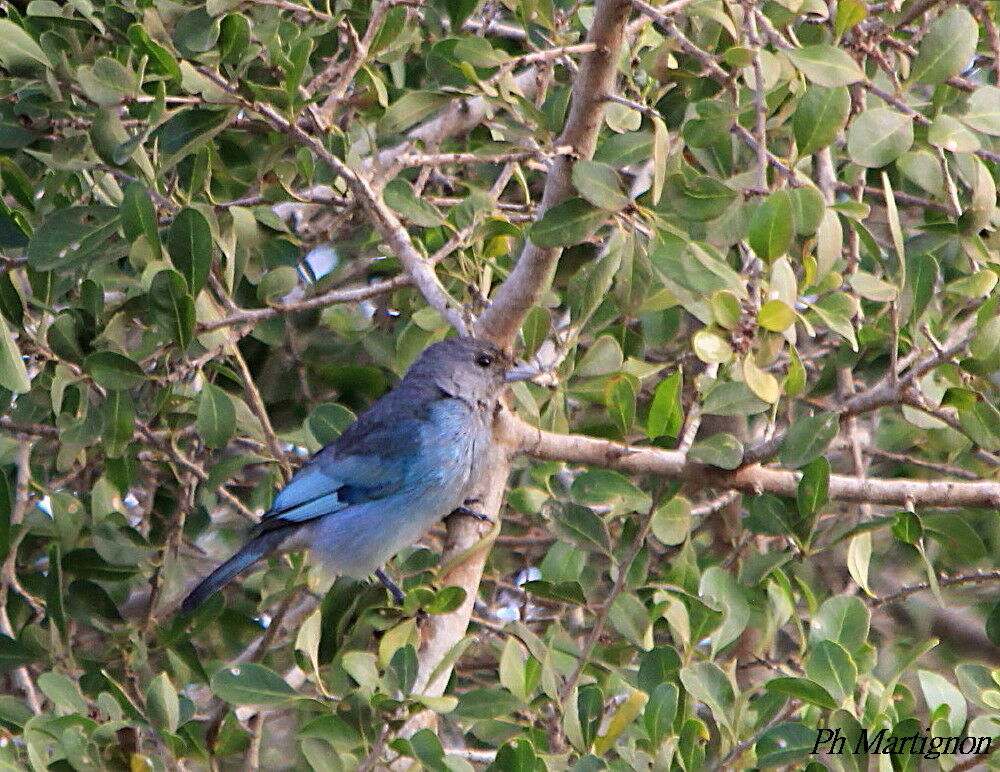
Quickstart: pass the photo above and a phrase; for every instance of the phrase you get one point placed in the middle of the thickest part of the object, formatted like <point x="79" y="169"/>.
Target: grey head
<point x="466" y="368"/>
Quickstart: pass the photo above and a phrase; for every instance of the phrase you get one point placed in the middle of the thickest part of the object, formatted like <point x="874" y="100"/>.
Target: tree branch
<point x="674" y="465"/>
<point x="534" y="269"/>
<point x="465" y="548"/>
<point x="380" y="215"/>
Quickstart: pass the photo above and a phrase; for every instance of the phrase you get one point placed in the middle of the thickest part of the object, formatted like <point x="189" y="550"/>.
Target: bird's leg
<point x="391" y="586"/>
<point x="465" y="510"/>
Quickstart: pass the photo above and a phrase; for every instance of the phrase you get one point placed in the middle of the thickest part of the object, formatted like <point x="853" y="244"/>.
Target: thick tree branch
<point x="534" y="269"/>
<point x="465" y="548"/>
<point x="675" y="465"/>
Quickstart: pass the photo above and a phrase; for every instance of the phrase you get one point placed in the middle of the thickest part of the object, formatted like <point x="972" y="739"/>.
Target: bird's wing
<point x="366" y="463"/>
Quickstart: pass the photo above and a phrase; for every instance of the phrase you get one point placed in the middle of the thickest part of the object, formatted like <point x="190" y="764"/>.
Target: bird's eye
<point x="484" y="360"/>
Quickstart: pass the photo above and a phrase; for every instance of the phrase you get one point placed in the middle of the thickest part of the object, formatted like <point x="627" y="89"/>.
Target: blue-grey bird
<point x="404" y="464"/>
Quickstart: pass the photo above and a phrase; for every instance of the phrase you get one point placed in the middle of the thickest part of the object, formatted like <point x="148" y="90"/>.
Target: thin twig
<point x="381" y="216"/>
<point x="981" y="577"/>
<point x="602" y="616"/>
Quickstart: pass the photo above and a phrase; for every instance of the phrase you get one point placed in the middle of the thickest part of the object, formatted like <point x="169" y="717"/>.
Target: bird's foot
<point x="468" y="512"/>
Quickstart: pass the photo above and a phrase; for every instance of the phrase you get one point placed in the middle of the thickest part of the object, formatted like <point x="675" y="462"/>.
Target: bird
<point x="403" y="465"/>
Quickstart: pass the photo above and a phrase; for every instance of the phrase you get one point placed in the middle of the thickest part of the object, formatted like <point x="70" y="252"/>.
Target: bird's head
<point x="469" y="368"/>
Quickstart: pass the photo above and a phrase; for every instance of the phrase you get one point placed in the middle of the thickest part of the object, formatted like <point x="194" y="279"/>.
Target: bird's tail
<point x="258" y="547"/>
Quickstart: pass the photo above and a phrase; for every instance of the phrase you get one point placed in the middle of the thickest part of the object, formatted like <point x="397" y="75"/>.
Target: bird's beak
<point x="521" y="371"/>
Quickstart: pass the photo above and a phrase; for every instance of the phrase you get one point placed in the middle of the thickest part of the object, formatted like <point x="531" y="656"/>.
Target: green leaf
<point x="829" y="665"/>
<point x="719" y="589"/>
<point x="947" y="48"/>
<point x="18" y="50"/>
<point x="843" y="619"/>
<point x="726" y="309"/>
<point x="404" y="665"/>
<point x="162" y="704"/>
<point x="412" y="107"/>
<point x="764" y="385"/>
<point x="992" y="627"/>
<point x="661" y="147"/>
<point x="619" y="398"/>
<point x="580" y="526"/>
<point x="802" y="689"/>
<point x="234" y="38"/>
<point x="251" y="684"/>
<point x="859" y="555"/>
<point x="700" y="198"/>
<point x="785" y="745"/>
<point x="826" y="65"/>
<point x="732" y="398"/>
<point x="660" y="711"/>
<point x="807" y="438"/>
<point x="537" y="324"/>
<point x="977" y="285"/>
<point x="776" y="315"/>
<point x="107" y="82"/>
<point x="172" y="307"/>
<point x="139" y="216"/>
<point x="399" y="196"/>
<point x="950" y="134"/>
<point x="602" y="358"/>
<point x="666" y="413"/>
<point x="708" y="683"/>
<point x="119" y="422"/>
<point x="63" y="692"/>
<point x="71" y="237"/>
<point x="872" y="288"/>
<point x="216" y="416"/>
<point x="850" y="13"/>
<point x="879" y="136"/>
<point x="13" y="373"/>
<point x="630" y="617"/>
<point x="658" y="665"/>
<point x="983" y="113"/>
<point x="189" y="242"/>
<point x="709" y="346"/>
<point x="808" y="209"/>
<point x="327" y="421"/>
<point x="600" y="184"/>
<point x="187" y="131"/>
<point x="606" y="487"/>
<point x="563" y="592"/>
<point x="671" y="522"/>
<point x="589" y="285"/>
<point x="428" y="750"/>
<point x="795" y="380"/>
<point x="568" y="223"/>
<point x="721" y="450"/>
<point x="908" y="528"/>
<point x="160" y="59"/>
<point x="812" y="490"/>
<point x="113" y="371"/>
<point x="517" y="755"/>
<point x="446" y="600"/>
<point x="64" y="335"/>
<point x="484" y="703"/>
<point x="14" y="654"/>
<point x="277" y="283"/>
<point x="771" y="227"/>
<point x="589" y="711"/>
<point x="940" y="691"/>
<point x="195" y="32"/>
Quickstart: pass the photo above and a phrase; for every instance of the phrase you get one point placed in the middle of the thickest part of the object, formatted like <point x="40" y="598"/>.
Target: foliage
<point x="786" y="233"/>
